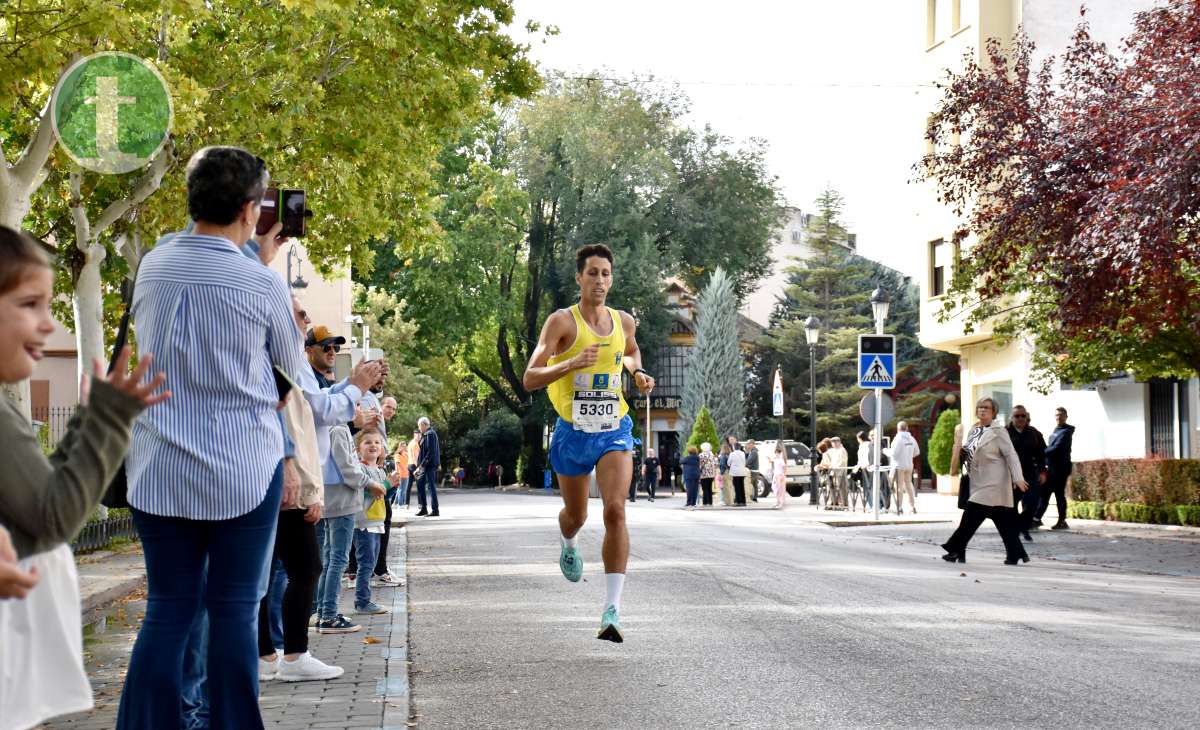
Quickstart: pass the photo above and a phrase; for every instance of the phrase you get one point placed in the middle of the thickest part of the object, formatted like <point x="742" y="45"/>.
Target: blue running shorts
<point x="575" y="453"/>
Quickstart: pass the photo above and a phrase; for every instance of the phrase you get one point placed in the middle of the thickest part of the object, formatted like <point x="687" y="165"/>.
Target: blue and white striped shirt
<point x="216" y="322"/>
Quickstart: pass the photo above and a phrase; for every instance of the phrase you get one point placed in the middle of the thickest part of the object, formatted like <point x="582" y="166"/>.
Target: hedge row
<point x="1148" y="482"/>
<point x="1178" y="514"/>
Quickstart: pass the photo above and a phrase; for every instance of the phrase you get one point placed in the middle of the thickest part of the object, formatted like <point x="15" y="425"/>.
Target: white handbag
<point x="41" y="646"/>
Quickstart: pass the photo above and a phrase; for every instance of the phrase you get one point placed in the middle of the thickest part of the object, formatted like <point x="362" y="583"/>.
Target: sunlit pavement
<point x="762" y="618"/>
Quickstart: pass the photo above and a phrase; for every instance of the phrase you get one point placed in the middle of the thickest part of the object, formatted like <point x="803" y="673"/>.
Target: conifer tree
<point x="715" y="377"/>
<point x="704" y="430"/>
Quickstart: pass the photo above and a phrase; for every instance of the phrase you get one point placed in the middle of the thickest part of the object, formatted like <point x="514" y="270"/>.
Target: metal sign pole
<point x="875" y="445"/>
<point x="646" y="445"/>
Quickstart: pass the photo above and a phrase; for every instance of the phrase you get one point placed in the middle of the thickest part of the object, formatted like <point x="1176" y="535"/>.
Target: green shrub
<point x="941" y="442"/>
<point x="704" y="430"/>
<point x="1084" y="510"/>
<point x="1155" y="481"/>
<point x="1188" y="514"/>
<point x="1140" y="513"/>
<point x="1179" y="514"/>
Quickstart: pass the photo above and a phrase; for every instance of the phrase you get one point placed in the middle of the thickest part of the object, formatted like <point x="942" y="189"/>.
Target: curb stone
<point x="393" y="687"/>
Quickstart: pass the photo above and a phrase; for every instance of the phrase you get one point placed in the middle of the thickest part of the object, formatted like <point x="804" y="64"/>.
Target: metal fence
<point x="51" y="423"/>
<point x="98" y="535"/>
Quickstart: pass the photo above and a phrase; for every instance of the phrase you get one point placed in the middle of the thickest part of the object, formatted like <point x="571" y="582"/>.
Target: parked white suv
<point x="799" y="467"/>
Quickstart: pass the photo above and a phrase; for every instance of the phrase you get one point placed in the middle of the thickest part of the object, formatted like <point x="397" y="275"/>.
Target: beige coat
<point x="303" y="431"/>
<point x="993" y="470"/>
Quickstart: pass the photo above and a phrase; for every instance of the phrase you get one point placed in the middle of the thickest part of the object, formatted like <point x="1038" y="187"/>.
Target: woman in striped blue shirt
<point x="205" y="469"/>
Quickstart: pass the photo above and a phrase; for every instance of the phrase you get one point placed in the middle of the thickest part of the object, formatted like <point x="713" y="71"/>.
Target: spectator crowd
<point x="254" y="482"/>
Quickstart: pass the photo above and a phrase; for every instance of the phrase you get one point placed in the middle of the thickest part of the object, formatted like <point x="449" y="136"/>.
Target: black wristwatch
<point x="642" y="371"/>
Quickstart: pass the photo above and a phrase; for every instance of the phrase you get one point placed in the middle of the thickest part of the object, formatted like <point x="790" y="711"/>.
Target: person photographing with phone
<point x="579" y="357"/>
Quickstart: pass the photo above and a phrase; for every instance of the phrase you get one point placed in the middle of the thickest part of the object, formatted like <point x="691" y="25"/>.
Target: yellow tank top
<point x="590" y="389"/>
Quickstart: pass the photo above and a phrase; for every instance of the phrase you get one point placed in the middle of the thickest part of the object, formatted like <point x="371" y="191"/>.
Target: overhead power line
<point x="764" y="84"/>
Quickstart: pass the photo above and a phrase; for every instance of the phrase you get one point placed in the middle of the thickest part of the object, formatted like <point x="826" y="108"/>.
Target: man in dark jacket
<point x="1058" y="468"/>
<point x="1031" y="450"/>
<point x="431" y="461"/>
<point x="752" y="465"/>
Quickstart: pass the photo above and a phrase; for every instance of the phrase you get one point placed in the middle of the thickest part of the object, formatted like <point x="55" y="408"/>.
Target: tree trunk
<point x="13" y="208"/>
<point x="531" y="448"/>
<point x="18" y="182"/>
<point x="88" y="300"/>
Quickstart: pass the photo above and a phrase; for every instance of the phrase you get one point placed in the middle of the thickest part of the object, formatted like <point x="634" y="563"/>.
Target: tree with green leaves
<point x="584" y="162"/>
<point x="301" y="69"/>
<point x="715" y="377"/>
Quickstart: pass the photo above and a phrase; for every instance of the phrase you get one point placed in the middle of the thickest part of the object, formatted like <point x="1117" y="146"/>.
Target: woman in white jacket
<point x="992" y="470"/>
<point x="739" y="472"/>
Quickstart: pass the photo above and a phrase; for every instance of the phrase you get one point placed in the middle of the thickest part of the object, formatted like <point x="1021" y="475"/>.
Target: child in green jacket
<point x="43" y="501"/>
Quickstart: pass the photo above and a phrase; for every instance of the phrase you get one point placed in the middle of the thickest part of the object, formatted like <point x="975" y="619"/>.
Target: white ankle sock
<point x="571" y="542"/>
<point x="615" y="582"/>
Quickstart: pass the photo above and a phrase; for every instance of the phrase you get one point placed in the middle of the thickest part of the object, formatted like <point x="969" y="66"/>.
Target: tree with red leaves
<point x="1078" y="186"/>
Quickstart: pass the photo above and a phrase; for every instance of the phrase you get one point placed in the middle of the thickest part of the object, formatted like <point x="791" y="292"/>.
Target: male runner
<point x="579" y="357"/>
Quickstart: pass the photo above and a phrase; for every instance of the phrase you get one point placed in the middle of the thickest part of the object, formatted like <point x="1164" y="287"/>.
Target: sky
<point x="832" y="87"/>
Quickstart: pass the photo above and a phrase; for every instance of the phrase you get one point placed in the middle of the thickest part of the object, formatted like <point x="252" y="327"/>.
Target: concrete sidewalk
<point x="373" y="693"/>
<point x="106" y="577"/>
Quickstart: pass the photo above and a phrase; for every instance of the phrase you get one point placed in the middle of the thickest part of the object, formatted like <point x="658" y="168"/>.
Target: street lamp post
<point x="812" y="331"/>
<point x="298" y="282"/>
<point x="880" y="301"/>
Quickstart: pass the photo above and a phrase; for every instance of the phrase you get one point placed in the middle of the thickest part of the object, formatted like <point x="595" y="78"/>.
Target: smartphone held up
<point x="286" y="207"/>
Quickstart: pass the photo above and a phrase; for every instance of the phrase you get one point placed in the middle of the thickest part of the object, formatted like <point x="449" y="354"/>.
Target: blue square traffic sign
<point x="876" y="361"/>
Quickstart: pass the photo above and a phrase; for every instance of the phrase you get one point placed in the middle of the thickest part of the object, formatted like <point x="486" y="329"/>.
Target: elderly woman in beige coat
<point x="992" y="469"/>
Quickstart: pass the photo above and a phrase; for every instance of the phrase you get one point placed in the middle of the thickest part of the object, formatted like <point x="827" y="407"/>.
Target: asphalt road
<point x="762" y="619"/>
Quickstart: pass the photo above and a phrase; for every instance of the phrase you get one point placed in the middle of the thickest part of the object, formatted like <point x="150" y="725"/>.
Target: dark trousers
<point x="428" y="481"/>
<point x="408" y="485"/>
<point x="1005" y="519"/>
<point x="693" y="487"/>
<point x="651" y="485"/>
<point x="706" y="487"/>
<point x="633" y="490"/>
<point x="1028" y="501"/>
<point x="237" y="554"/>
<point x="739" y="490"/>
<point x="296" y="546"/>
<point x="1056" y="484"/>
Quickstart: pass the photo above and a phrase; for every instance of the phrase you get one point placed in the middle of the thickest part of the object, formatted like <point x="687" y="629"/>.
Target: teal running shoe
<point x="571" y="563"/>
<point x="610" y="626"/>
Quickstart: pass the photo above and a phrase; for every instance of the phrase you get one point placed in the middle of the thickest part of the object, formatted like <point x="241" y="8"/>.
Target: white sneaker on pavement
<point x="268" y="670"/>
<point x="307" y="668"/>
<point x="387" y="579"/>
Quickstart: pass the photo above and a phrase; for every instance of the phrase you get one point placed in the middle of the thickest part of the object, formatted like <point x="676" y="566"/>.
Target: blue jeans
<point x="366" y="548"/>
<point x="693" y="487"/>
<point x="428" y="479"/>
<point x="334" y="537"/>
<point x="177" y="553"/>
<point x="279" y="582"/>
<point x="195" y="673"/>
<point x="402" y="490"/>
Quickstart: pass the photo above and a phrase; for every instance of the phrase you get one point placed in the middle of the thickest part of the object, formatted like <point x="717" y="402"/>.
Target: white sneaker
<point x="268" y="670"/>
<point x="307" y="668"/>
<point x="387" y="579"/>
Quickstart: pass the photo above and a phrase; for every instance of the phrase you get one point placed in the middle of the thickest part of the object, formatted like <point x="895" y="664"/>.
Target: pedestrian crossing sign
<point x="877" y="361"/>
